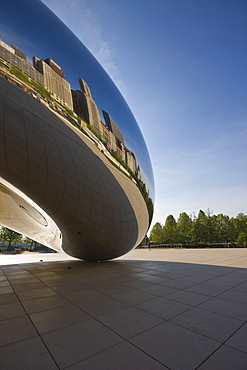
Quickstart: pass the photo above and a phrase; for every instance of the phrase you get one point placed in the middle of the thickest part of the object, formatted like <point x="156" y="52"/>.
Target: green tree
<point x="232" y="229"/>
<point x="170" y="230"/>
<point x="240" y="223"/>
<point x="184" y="228"/>
<point x="242" y="239"/>
<point x="9" y="236"/>
<point x="201" y="230"/>
<point x="212" y="224"/>
<point x="222" y="226"/>
<point x="156" y="234"/>
<point x="206" y="228"/>
<point x="33" y="243"/>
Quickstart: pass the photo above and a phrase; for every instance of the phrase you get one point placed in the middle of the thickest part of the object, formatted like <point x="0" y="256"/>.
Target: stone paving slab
<point x="171" y="309"/>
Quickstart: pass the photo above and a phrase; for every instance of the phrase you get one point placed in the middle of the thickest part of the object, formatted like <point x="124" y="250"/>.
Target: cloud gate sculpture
<point x="75" y="174"/>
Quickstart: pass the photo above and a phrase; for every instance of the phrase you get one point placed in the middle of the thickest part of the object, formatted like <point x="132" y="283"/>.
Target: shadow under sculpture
<point x="75" y="171"/>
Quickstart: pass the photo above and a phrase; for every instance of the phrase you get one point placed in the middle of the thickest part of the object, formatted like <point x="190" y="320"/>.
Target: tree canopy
<point x="9" y="236"/>
<point x="203" y="228"/>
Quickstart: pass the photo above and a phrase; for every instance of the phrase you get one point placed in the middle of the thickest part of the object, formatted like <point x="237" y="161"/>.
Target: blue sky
<point x="181" y="66"/>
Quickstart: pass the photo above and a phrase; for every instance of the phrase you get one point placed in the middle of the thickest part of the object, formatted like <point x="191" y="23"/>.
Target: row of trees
<point x="203" y="228"/>
<point x="11" y="237"/>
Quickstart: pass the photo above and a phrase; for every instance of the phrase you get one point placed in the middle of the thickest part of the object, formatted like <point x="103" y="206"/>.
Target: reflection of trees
<point x="109" y="135"/>
<point x="140" y="184"/>
<point x="94" y="132"/>
<point x="9" y="236"/>
<point x="85" y="114"/>
<point x="37" y="87"/>
<point x="148" y="200"/>
<point x="12" y="72"/>
<point x="22" y="81"/>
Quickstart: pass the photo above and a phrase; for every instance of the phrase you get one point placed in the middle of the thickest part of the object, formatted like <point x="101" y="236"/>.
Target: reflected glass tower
<point x="75" y="173"/>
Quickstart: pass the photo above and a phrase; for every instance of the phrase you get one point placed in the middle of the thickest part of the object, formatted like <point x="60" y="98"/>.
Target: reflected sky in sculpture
<point x="40" y="33"/>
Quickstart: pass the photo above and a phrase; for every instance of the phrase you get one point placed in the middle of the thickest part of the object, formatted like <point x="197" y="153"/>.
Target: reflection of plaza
<point x="46" y="81"/>
<point x="74" y="167"/>
<point x="97" y="212"/>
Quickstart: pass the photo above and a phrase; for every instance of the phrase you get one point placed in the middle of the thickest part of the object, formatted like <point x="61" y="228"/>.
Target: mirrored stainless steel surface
<point x="69" y="145"/>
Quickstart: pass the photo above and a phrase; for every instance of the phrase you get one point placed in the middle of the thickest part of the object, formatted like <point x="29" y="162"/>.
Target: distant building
<point x="112" y="126"/>
<point x="130" y="160"/>
<point x="85" y="88"/>
<point x="138" y="172"/>
<point x="54" y="66"/>
<point x="109" y="138"/>
<point x="19" y="52"/>
<point x="7" y="47"/>
<point x="6" y="53"/>
<point x="9" y="54"/>
<point x="85" y="107"/>
<point x="115" y="143"/>
<point x="54" y="80"/>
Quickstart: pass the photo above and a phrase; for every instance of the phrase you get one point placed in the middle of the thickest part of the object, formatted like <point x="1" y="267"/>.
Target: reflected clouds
<point x="43" y="58"/>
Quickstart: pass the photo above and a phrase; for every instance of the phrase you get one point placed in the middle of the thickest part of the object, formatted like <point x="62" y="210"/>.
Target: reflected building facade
<point x="85" y="107"/>
<point x="8" y="56"/>
<point x="113" y="128"/>
<point x="54" y="80"/>
<point x="75" y="173"/>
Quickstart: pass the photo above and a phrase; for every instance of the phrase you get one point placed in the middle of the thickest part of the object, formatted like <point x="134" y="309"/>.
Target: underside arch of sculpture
<point x="75" y="173"/>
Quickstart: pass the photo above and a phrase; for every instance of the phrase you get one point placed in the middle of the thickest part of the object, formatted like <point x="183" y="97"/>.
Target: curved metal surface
<point x="71" y="151"/>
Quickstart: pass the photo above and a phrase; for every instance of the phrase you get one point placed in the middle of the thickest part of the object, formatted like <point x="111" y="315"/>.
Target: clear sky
<point x="182" y="68"/>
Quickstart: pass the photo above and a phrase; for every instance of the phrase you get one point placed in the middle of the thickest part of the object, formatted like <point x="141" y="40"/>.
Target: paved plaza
<point x="172" y="309"/>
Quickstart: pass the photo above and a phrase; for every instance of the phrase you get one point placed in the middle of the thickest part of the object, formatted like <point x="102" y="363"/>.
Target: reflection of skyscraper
<point x="112" y="126"/>
<point x="138" y="172"/>
<point x="19" y="52"/>
<point x="84" y="88"/>
<point x="85" y="106"/>
<point x="6" y="47"/>
<point x="130" y="160"/>
<point x="54" y="80"/>
<point x="47" y="166"/>
<point x="109" y="138"/>
<point x="15" y="56"/>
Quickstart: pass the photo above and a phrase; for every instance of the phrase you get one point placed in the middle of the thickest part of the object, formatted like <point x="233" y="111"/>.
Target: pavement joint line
<point x="222" y="344"/>
<point x="27" y="315"/>
<point x="105" y="275"/>
<point x="169" y="320"/>
<point x="123" y="339"/>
